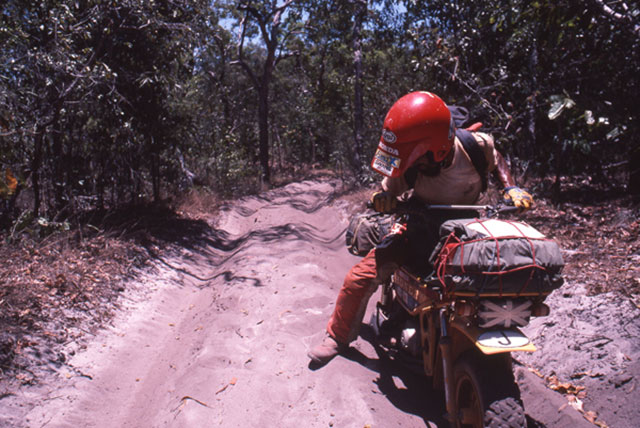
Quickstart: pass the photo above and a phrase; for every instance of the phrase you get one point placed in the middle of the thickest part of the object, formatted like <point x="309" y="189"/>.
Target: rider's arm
<point x="395" y="186"/>
<point x="512" y="194"/>
<point x="495" y="160"/>
<point x="502" y="171"/>
<point x="385" y="200"/>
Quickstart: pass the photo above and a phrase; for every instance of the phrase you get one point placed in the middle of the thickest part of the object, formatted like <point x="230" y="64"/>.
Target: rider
<point x="419" y="150"/>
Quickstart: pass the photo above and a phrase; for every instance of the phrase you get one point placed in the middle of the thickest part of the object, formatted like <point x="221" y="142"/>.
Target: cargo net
<point x="498" y="257"/>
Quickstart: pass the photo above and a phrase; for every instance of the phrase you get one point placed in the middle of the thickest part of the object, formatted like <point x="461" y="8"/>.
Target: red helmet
<point x="416" y="124"/>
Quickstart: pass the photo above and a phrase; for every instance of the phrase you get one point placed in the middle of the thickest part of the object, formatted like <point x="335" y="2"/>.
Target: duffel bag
<point x="496" y="256"/>
<point x="366" y="230"/>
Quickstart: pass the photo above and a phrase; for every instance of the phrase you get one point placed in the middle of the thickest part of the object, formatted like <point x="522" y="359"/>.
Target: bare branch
<point x="486" y="103"/>
<point x="241" y="62"/>
<point x="278" y="12"/>
<point x="282" y="55"/>
<point x="626" y="19"/>
<point x="261" y="20"/>
<point x="287" y="55"/>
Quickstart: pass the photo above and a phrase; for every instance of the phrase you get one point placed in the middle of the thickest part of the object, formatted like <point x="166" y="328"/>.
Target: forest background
<point x="104" y="104"/>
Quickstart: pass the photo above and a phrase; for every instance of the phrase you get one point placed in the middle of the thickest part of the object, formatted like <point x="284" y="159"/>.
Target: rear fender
<point x="490" y="342"/>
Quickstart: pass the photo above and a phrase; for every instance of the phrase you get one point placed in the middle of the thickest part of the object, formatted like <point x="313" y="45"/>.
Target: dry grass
<point x="197" y="204"/>
<point x="53" y="292"/>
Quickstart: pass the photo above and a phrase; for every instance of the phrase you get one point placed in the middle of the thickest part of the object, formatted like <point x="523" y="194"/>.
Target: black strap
<point x="476" y="154"/>
<point x="460" y="115"/>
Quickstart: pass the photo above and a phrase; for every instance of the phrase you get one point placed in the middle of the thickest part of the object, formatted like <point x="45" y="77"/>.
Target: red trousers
<point x="359" y="284"/>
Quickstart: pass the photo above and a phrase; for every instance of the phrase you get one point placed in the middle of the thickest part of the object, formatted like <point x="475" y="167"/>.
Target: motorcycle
<point x="462" y="336"/>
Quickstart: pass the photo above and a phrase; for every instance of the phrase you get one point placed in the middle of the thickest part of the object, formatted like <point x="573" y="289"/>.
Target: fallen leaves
<point x="64" y="281"/>
<point x="536" y="372"/>
<point x="635" y="298"/>
<point x="575" y="395"/>
<point x="185" y="399"/>
<point x="231" y="383"/>
<point x="600" y="242"/>
<point x="565" y="388"/>
<point x="25" y="378"/>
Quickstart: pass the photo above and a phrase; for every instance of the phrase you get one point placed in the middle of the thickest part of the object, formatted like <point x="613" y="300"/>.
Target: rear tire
<point x="486" y="393"/>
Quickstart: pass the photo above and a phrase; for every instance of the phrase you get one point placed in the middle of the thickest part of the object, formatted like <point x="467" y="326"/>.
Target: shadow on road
<point x="408" y="391"/>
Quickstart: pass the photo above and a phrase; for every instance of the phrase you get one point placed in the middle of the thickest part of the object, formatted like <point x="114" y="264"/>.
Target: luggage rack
<point x="498" y="294"/>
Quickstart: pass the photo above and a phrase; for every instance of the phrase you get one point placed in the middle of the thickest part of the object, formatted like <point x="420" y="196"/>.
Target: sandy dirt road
<point x="218" y="336"/>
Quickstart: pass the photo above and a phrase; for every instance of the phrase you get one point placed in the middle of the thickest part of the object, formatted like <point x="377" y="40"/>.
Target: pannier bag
<point x="490" y="256"/>
<point x="366" y="230"/>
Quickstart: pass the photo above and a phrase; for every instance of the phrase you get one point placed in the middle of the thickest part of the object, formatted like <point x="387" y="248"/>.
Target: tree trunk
<point x="358" y="115"/>
<point x="36" y="162"/>
<point x="559" y="155"/>
<point x="634" y="173"/>
<point x="155" y="176"/>
<point x="154" y="169"/>
<point x="531" y="105"/>
<point x="57" y="164"/>
<point x="263" y="127"/>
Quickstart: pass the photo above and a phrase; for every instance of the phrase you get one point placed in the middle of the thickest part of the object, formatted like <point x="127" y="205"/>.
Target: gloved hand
<point x="384" y="202"/>
<point x="518" y="197"/>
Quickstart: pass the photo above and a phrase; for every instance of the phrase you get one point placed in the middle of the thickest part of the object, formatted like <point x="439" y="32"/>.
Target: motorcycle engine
<point x="410" y="338"/>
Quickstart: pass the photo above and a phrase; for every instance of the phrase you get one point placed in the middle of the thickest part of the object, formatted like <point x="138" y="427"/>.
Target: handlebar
<point x="415" y="207"/>
<point x="490" y="209"/>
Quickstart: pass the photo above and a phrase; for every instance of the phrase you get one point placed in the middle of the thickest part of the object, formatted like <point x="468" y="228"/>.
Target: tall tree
<point x="358" y="114"/>
<point x="90" y="83"/>
<point x="274" y="30"/>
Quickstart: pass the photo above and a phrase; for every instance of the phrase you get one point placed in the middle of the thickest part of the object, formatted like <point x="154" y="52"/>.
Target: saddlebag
<point x="366" y="230"/>
<point x="490" y="256"/>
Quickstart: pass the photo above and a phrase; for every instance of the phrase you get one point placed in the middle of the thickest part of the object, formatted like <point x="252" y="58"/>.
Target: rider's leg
<point x="359" y="284"/>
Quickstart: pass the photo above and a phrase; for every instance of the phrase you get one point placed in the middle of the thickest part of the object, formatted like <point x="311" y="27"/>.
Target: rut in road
<point x="219" y="336"/>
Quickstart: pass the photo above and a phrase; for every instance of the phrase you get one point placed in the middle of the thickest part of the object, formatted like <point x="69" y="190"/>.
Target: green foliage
<point x="509" y="59"/>
<point x="106" y="103"/>
<point x="88" y="96"/>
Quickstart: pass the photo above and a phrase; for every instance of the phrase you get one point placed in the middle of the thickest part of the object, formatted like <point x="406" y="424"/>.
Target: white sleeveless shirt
<point x="459" y="183"/>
